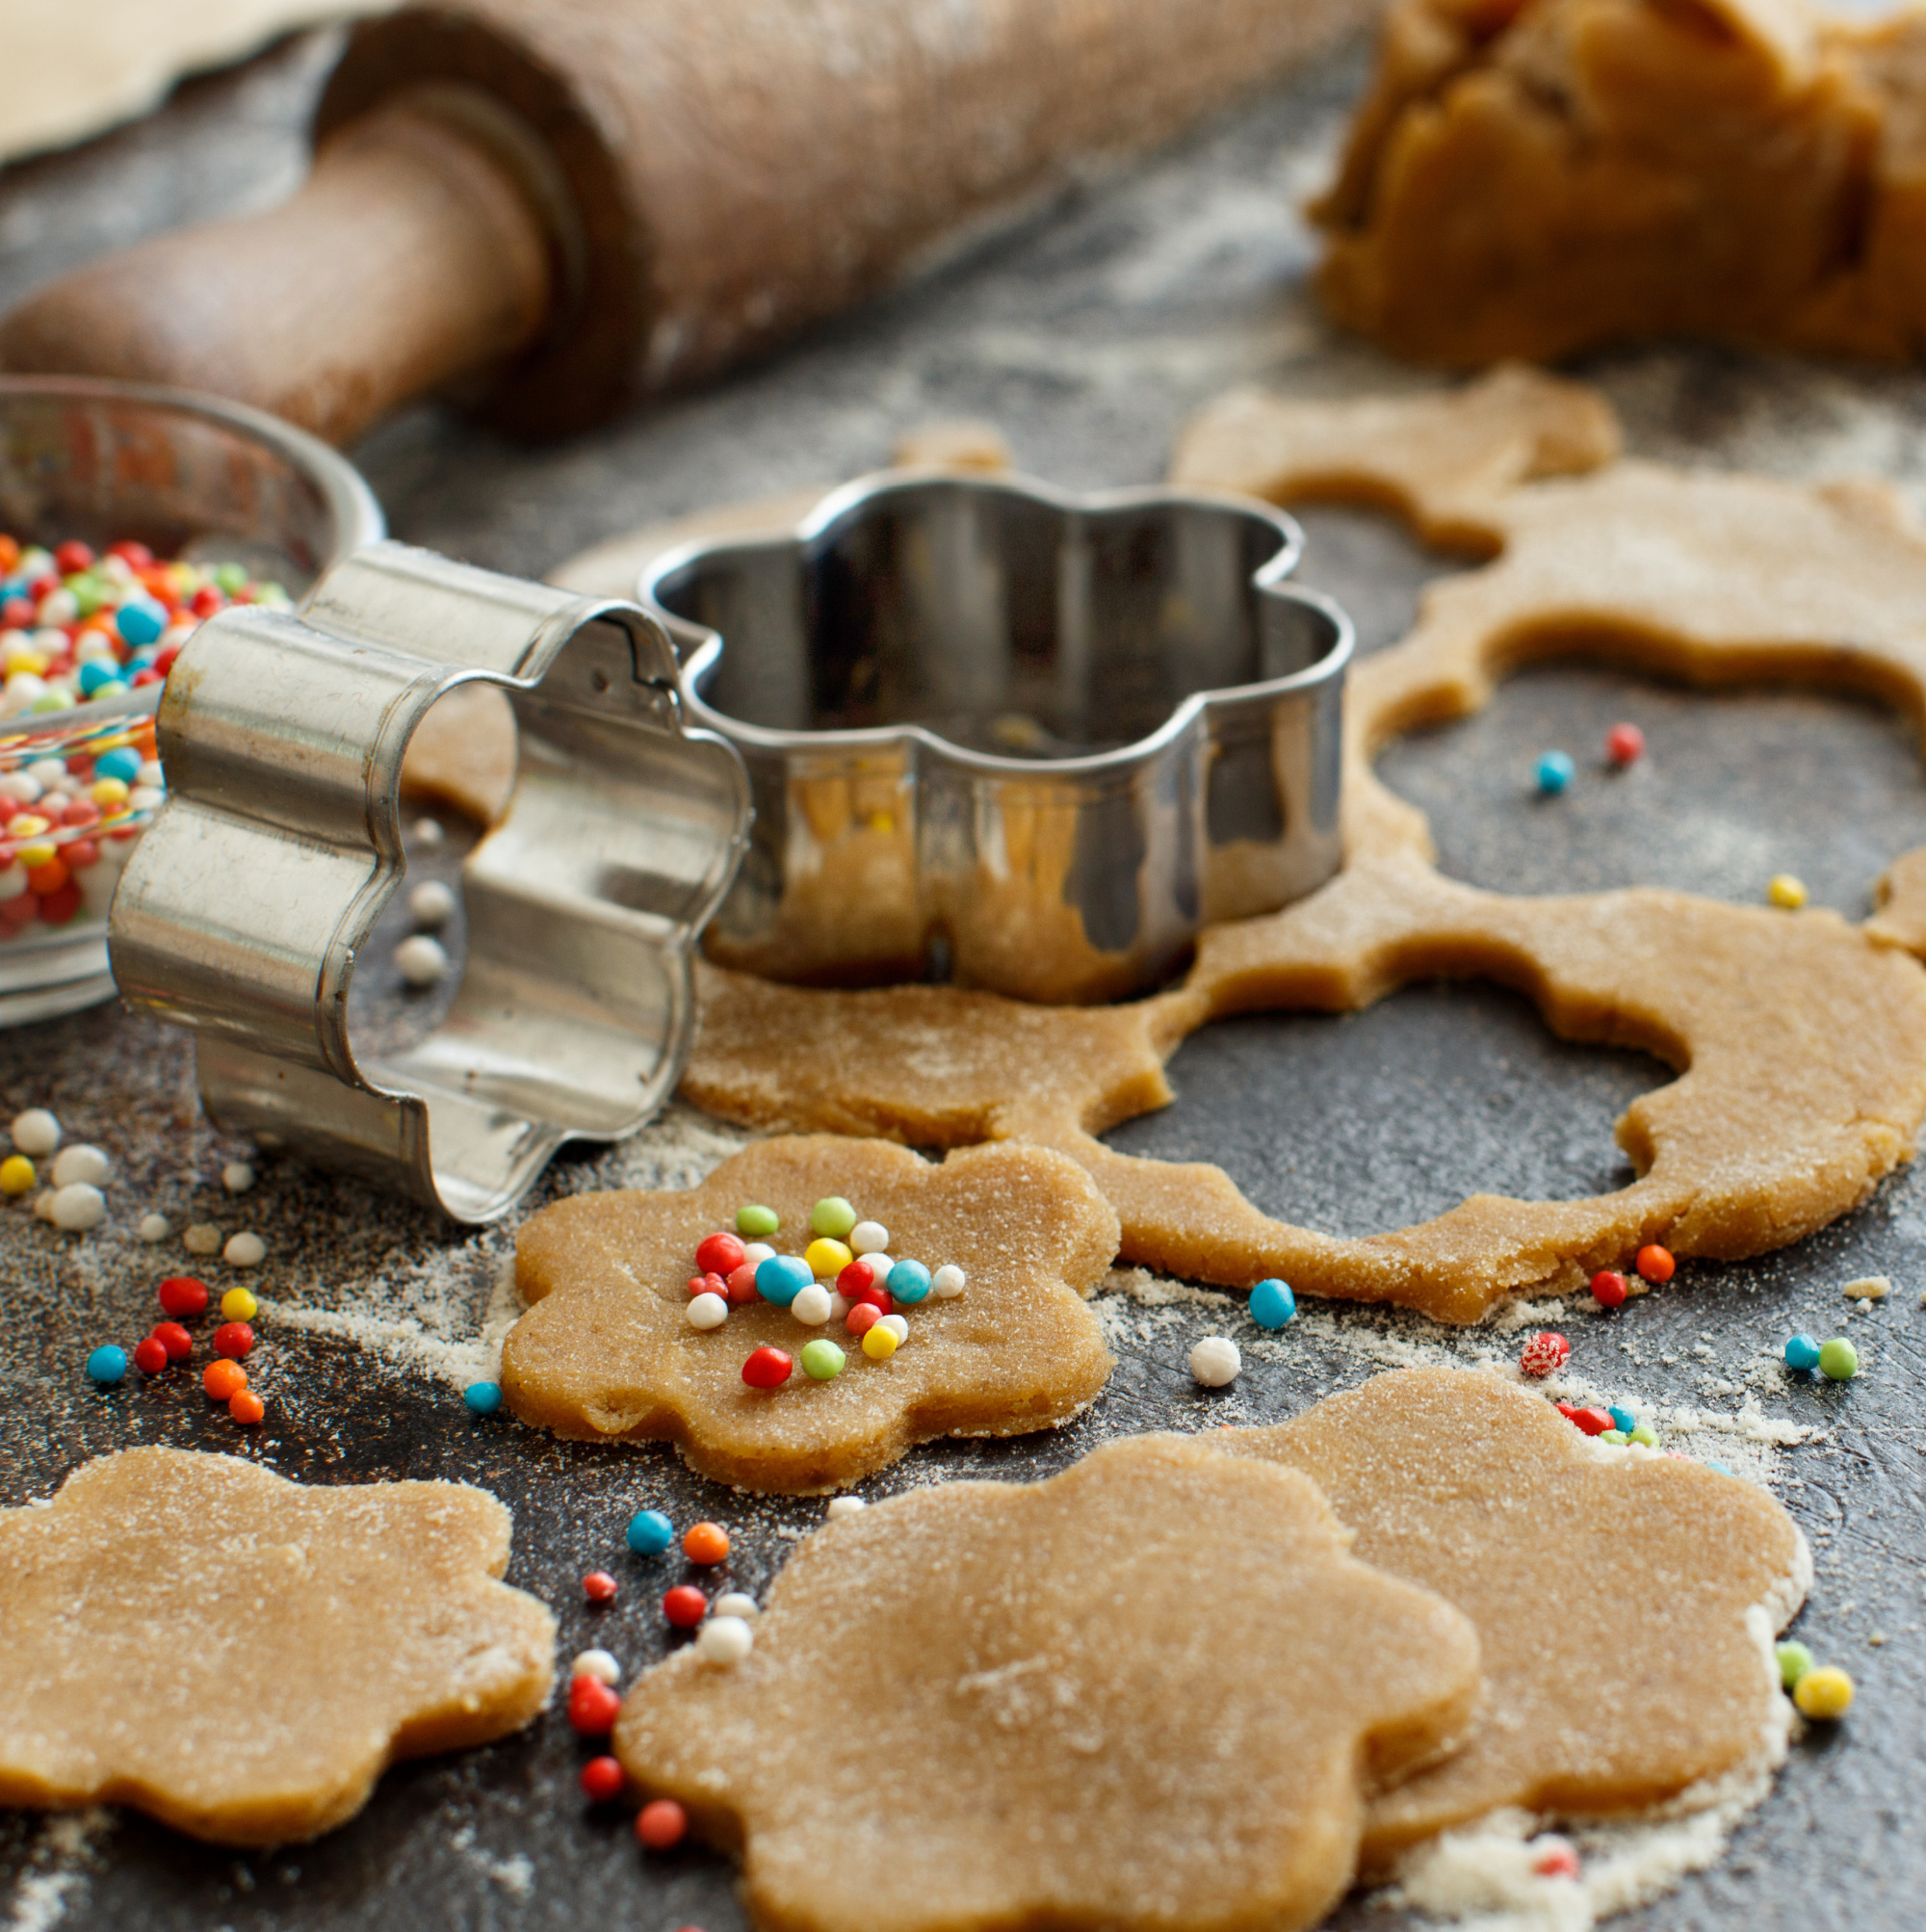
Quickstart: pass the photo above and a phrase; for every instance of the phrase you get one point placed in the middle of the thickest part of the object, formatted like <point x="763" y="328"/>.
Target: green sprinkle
<point x="821" y="1360"/>
<point x="1643" y="1434"/>
<point x="1616" y="1437"/>
<point x="1794" y="1661"/>
<point x="756" y="1222"/>
<point x="832" y="1216"/>
<point x="1838" y="1359"/>
<point x="230" y="577"/>
<point x="53" y="700"/>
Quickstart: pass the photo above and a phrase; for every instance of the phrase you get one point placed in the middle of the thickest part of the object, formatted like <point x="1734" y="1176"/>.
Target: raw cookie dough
<point x="1052" y="1725"/>
<point x="463" y="753"/>
<point x="1774" y="1128"/>
<point x="1533" y="177"/>
<point x="243" y="1656"/>
<point x="607" y="1351"/>
<point x="1625" y="1601"/>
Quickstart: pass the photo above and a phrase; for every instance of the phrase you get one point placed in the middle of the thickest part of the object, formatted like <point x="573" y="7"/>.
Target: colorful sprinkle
<point x="947" y="1282"/>
<point x="1624" y="745"/>
<point x="233" y="1339"/>
<point x="707" y="1311"/>
<point x="1609" y="1289"/>
<point x="757" y="1223"/>
<point x="1272" y="1303"/>
<point x="826" y="1259"/>
<point x="16" y="1175"/>
<point x="1838" y="1359"/>
<point x="1644" y="1436"/>
<point x="845" y="1505"/>
<point x="223" y="1380"/>
<point x="107" y="1365"/>
<point x="1216" y="1362"/>
<point x="705" y="1543"/>
<point x="741" y="1284"/>
<point x="720" y="1254"/>
<point x="77" y="1208"/>
<point x="239" y="1304"/>
<point x="735" y="1603"/>
<point x="1802" y="1351"/>
<point x="150" y="1356"/>
<point x="592" y="1707"/>
<point x="834" y="1217"/>
<point x="600" y="1664"/>
<point x="36" y="1132"/>
<point x="482" y="1398"/>
<point x="1824" y="1693"/>
<point x="183" y="1296"/>
<point x="1623" y="1420"/>
<point x="599" y="1587"/>
<point x="1545" y="1354"/>
<point x="603" y="1781"/>
<point x="768" y="1369"/>
<point x="782" y="1278"/>
<point x="879" y="1343"/>
<point x="869" y="1237"/>
<point x="1787" y="890"/>
<point x="1794" y="1661"/>
<point x="908" y="1282"/>
<point x="661" y="1824"/>
<point x="245" y="1250"/>
<point x="1558" y="1860"/>
<point x="724" y="1640"/>
<point x="1554" y="771"/>
<point x="684" y="1606"/>
<point x="174" y="1339"/>
<point x="650" y="1532"/>
<point x="821" y="1360"/>
<point x="245" y="1406"/>
<point x="862" y="1318"/>
<point x="1654" y="1264"/>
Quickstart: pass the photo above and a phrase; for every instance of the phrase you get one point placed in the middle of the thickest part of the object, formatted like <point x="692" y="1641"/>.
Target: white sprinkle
<point x="734" y="1604"/>
<point x="897" y="1326"/>
<point x="245" y="1250"/>
<point x="81" y="1164"/>
<point x="869" y="1237"/>
<point x="706" y="1311"/>
<point x="840" y="1305"/>
<point x="1215" y="1361"/>
<point x="77" y="1207"/>
<point x="420" y="960"/>
<point x="811" y="1305"/>
<point x="203" y="1238"/>
<point x="432" y="903"/>
<point x="145" y="798"/>
<point x="947" y="1282"/>
<point x="598" y="1664"/>
<point x="755" y="1253"/>
<point x="724" y="1640"/>
<point x="879" y="1265"/>
<point x="43" y="1204"/>
<point x="155" y="1228"/>
<point x="428" y="832"/>
<point x="237" y="1177"/>
<point x="845" y="1505"/>
<point x="36" y="1132"/>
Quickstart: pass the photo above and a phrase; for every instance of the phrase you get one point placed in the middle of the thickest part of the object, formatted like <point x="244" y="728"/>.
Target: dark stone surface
<point x="1089" y="336"/>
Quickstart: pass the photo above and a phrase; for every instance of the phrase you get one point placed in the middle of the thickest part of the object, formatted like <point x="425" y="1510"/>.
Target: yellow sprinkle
<point x="25" y="824"/>
<point x="16" y="1174"/>
<point x="1785" y="890"/>
<point x="109" y="792"/>
<point x="32" y="856"/>
<point x="879" y="1344"/>
<point x="238" y="1305"/>
<point x="1824" y="1693"/>
<point x="827" y="1258"/>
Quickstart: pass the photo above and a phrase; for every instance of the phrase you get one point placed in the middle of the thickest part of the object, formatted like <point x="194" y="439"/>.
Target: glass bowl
<point x="194" y="480"/>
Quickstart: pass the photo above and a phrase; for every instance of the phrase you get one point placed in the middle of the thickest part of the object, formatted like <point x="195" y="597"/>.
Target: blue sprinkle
<point x="1556" y="771"/>
<point x="94" y="674"/>
<point x="138" y="623"/>
<point x="123" y="765"/>
<point x="908" y="1282"/>
<point x="1723" y="1468"/>
<point x="484" y="1399"/>
<point x="1272" y="1303"/>
<point x="650" y="1532"/>
<point x="1802" y="1353"/>
<point x="107" y="1365"/>
<point x="782" y="1278"/>
<point x="1622" y="1419"/>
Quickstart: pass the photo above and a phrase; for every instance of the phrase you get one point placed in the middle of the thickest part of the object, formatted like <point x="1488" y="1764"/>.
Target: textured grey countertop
<point x="1089" y="335"/>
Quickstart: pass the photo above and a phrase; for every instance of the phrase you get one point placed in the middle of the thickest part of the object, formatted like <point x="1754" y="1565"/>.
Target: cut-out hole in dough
<point x="1365" y="1121"/>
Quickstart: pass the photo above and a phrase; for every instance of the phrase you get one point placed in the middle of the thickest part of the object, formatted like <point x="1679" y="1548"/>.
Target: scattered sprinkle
<point x="245" y="1250"/>
<point x="1554" y="771"/>
<point x="599" y="1587"/>
<point x="482" y="1398"/>
<point x="36" y="1132"/>
<point x="650" y="1532"/>
<point x="432" y="903"/>
<point x="422" y="961"/>
<point x="1786" y="890"/>
<point x="1824" y="1693"/>
<point x="724" y="1640"/>
<point x="1215" y="1362"/>
<point x="661" y="1824"/>
<point x="107" y="1365"/>
<point x="237" y="1177"/>
<point x="1544" y="1354"/>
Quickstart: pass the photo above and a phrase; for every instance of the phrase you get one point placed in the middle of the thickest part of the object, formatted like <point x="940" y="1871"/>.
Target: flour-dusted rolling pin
<point x="555" y="206"/>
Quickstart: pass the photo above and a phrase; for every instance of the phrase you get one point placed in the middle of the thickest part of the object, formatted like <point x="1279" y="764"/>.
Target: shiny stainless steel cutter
<point x="244" y="911"/>
<point x="995" y="732"/>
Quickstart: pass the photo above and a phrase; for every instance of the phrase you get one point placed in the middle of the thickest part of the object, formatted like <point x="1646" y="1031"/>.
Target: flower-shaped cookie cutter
<point x="1030" y="739"/>
<point x="246" y="905"/>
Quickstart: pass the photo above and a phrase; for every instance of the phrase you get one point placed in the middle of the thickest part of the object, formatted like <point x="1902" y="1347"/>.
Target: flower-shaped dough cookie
<point x="608" y="1349"/>
<point x="1139" y="1695"/>
<point x="1625" y="1601"/>
<point x="241" y="1656"/>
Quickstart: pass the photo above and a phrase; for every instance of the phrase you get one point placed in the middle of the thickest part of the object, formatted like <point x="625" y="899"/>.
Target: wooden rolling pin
<point x="552" y="207"/>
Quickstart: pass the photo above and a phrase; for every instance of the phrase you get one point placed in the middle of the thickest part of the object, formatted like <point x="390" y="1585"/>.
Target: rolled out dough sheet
<point x="73" y="69"/>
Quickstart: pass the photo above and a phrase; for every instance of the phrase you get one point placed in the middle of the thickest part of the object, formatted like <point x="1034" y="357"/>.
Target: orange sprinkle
<point x="246" y="1406"/>
<point x="1655" y="1263"/>
<point x="705" y="1543"/>
<point x="225" y="1380"/>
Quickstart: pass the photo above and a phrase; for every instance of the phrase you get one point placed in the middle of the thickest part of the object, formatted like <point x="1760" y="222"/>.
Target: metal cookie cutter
<point x="244" y="909"/>
<point x="1030" y="739"/>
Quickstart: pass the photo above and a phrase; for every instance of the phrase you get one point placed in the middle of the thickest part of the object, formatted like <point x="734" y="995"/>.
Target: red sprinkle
<point x="1655" y="1263"/>
<point x="1556" y="1861"/>
<point x="592" y="1707"/>
<point x="150" y="1356"/>
<point x="181" y="1294"/>
<point x="1608" y="1288"/>
<point x="233" y="1339"/>
<point x="603" y="1781"/>
<point x="73" y="556"/>
<point x="599" y="1587"/>
<point x="707" y="1284"/>
<point x="766" y="1369"/>
<point x="1624" y="745"/>
<point x="742" y="1285"/>
<point x="1545" y="1354"/>
<point x="862" y="1318"/>
<point x="661" y="1823"/>
<point x="855" y="1280"/>
<point x="721" y="1254"/>
<point x="1593" y="1422"/>
<point x="684" y="1606"/>
<point x="175" y="1339"/>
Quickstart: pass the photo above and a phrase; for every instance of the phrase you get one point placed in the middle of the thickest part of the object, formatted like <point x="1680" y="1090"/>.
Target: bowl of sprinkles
<point x="129" y="515"/>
